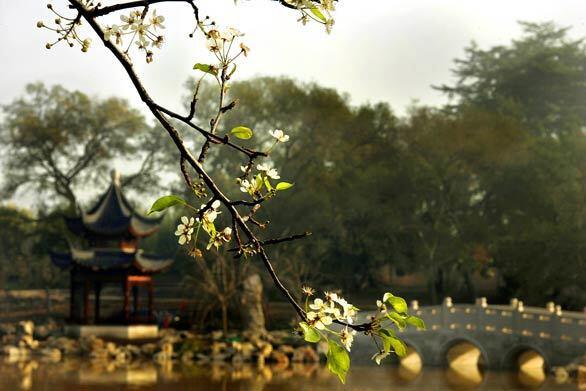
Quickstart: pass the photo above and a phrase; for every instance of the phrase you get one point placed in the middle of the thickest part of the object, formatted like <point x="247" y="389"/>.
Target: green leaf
<point x="310" y="334"/>
<point x="242" y="132"/>
<point x="318" y="14"/>
<point x="209" y="227"/>
<point x="398" y="319"/>
<point x="166" y="202"/>
<point x="415" y="321"/>
<point x="386" y="335"/>
<point x="398" y="303"/>
<point x="398" y="346"/>
<point x="283" y="185"/>
<point x="206" y="68"/>
<point x="258" y="182"/>
<point x="338" y="360"/>
<point x="268" y="184"/>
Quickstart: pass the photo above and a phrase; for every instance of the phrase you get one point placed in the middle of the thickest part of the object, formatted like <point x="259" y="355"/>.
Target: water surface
<point x="96" y="375"/>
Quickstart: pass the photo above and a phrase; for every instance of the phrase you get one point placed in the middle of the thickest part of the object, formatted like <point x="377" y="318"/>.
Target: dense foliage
<point x="494" y="180"/>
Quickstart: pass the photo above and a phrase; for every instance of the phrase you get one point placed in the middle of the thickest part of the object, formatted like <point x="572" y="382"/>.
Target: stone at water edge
<point x="237" y="359"/>
<point x="111" y="348"/>
<point x="265" y="349"/>
<point x="16" y="353"/>
<point x="581" y="377"/>
<point x="148" y="349"/>
<point x="287" y="349"/>
<point x="561" y="375"/>
<point x="218" y="347"/>
<point x="27" y="327"/>
<point x="187" y="357"/>
<point x="52" y="354"/>
<point x="99" y="354"/>
<point x="247" y="349"/>
<point x="305" y="354"/>
<point x="280" y="358"/>
<point x="27" y="341"/>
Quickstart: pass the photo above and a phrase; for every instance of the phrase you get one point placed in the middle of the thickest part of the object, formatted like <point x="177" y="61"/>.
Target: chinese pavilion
<point x="107" y="253"/>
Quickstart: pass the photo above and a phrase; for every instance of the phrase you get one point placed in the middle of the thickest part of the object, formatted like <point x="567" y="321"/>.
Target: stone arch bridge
<point x="492" y="336"/>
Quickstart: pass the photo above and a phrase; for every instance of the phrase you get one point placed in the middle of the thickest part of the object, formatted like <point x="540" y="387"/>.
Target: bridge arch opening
<point x="464" y="352"/>
<point x="411" y="365"/>
<point x="531" y="365"/>
<point x="465" y="359"/>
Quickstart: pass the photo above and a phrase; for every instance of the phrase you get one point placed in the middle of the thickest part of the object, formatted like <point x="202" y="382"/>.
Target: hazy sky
<point x="389" y="50"/>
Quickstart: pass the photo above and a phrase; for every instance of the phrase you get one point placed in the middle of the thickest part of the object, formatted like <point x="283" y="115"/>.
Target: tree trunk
<point x="224" y="308"/>
<point x="251" y="306"/>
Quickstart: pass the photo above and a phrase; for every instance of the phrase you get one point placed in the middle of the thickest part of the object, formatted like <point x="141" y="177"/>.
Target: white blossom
<point x="319" y="320"/>
<point x="379" y="356"/>
<point x="382" y="308"/>
<point x="245" y="186"/>
<point x="211" y="213"/>
<point x="273" y="173"/>
<point x="347" y="337"/>
<point x="157" y="20"/>
<point x="221" y="237"/>
<point x="317" y="305"/>
<point x="268" y="170"/>
<point x="331" y="297"/>
<point x="328" y="5"/>
<point x="309" y="291"/>
<point x="234" y="32"/>
<point x="113" y="32"/>
<point x="263" y="167"/>
<point x="214" y="45"/>
<point x="279" y="135"/>
<point x="245" y="49"/>
<point x="185" y="230"/>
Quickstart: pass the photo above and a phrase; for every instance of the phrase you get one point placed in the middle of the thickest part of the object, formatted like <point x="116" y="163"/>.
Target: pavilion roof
<point x="113" y="215"/>
<point x="111" y="259"/>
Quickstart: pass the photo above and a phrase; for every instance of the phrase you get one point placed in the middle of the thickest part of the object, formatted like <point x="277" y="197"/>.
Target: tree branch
<point x="159" y="113"/>
<point x="97" y="12"/>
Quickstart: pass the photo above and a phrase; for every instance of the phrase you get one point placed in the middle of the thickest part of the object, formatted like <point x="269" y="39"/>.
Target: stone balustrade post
<point x="414" y="305"/>
<point x="482" y="302"/>
<point x="481" y="305"/>
<point x="446" y="306"/>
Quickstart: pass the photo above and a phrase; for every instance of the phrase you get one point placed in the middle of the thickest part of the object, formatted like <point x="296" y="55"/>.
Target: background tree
<point x="533" y="195"/>
<point x="538" y="79"/>
<point x="56" y="142"/>
<point x="24" y="257"/>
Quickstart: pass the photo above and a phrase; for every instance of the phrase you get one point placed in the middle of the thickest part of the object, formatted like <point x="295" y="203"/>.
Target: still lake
<point x="88" y="375"/>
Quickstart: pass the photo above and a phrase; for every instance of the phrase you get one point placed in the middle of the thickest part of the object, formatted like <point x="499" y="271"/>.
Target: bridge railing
<point x="549" y="323"/>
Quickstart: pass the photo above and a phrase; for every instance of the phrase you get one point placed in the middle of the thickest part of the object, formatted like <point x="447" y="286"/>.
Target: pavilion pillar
<point x="135" y="301"/>
<point x="71" y="296"/>
<point x="97" y="292"/>
<point x="150" y="302"/>
<point x="86" y="301"/>
<point x="126" y="289"/>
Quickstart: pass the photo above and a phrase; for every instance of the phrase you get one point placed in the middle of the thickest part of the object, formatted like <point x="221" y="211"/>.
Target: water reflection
<point x="101" y="375"/>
